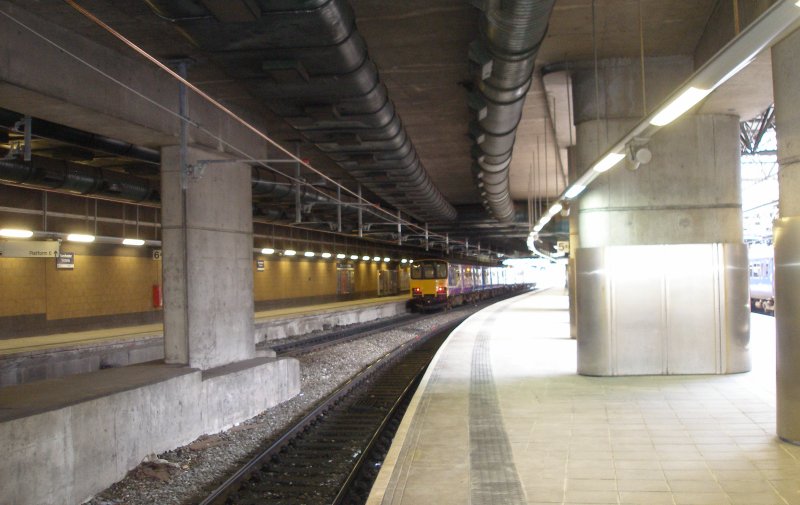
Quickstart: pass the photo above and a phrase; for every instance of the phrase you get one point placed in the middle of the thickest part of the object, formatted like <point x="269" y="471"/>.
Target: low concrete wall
<point x="68" y="439"/>
<point x="282" y="327"/>
<point x="70" y="359"/>
<point x="30" y="366"/>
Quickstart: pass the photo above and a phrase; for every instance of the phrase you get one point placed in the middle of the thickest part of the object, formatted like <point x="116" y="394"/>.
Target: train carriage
<point x="437" y="283"/>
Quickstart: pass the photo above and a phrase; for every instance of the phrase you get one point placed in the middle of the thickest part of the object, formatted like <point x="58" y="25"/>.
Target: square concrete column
<point x="207" y="261"/>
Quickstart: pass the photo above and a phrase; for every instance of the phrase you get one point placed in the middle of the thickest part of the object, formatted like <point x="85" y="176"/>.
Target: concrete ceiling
<point x="420" y="49"/>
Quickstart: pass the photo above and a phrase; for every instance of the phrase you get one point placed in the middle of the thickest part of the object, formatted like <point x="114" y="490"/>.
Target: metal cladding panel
<point x="787" y="315"/>
<point x="662" y="309"/>
<point x="592" y="291"/>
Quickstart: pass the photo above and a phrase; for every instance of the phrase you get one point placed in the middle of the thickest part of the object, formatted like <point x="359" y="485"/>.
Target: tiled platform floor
<point x="503" y="418"/>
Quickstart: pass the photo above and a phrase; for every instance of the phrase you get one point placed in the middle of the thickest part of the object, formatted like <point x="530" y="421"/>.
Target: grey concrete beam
<point x="55" y="81"/>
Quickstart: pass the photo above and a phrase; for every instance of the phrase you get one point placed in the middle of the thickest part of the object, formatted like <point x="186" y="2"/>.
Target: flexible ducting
<point x="502" y="60"/>
<point x="308" y="63"/>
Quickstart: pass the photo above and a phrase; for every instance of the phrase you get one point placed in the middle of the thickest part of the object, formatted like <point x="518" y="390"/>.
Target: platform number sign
<point x="156" y="254"/>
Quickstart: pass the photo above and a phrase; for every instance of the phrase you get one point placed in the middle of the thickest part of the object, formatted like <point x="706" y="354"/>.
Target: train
<point x="761" y="266"/>
<point x="437" y="283"/>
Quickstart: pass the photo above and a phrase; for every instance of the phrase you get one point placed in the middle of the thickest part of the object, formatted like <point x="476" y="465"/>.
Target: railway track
<point x="316" y="342"/>
<point x="332" y="454"/>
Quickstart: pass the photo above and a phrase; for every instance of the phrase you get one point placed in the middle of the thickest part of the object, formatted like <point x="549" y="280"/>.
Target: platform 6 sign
<point x="28" y="248"/>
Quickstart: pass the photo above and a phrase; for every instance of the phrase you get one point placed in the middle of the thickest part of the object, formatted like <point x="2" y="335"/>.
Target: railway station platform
<point x="28" y="359"/>
<point x="502" y="417"/>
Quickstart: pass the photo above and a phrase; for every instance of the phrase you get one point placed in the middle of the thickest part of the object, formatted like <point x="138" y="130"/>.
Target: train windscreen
<point x="436" y="270"/>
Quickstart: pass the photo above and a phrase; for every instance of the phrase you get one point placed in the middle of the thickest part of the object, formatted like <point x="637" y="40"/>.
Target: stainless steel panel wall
<point x="787" y="301"/>
<point x="662" y="309"/>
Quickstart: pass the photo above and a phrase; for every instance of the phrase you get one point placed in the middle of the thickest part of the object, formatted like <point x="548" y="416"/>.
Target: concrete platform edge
<point x="68" y="454"/>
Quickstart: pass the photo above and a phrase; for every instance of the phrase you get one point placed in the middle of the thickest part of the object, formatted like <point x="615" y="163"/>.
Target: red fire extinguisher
<point x="157" y="301"/>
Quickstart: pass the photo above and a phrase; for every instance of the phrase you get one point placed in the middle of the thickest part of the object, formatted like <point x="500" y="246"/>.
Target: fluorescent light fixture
<point x="268" y="250"/>
<point x="354" y="256"/>
<point x="608" y="162"/>
<point x="133" y="241"/>
<point x="555" y="209"/>
<point x="341" y="256"/>
<point x="78" y="237"/>
<point x="677" y="107"/>
<point x="376" y="258"/>
<point x="411" y="261"/>
<point x="289" y="252"/>
<point x="365" y="258"/>
<point x="13" y="233"/>
<point x="403" y="260"/>
<point x="308" y="254"/>
<point x="326" y="255"/>
<point x="538" y="227"/>
<point x="387" y="260"/>
<point x="574" y="191"/>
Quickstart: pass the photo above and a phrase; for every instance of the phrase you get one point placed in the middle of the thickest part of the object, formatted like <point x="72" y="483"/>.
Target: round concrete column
<point x="785" y="75"/>
<point x="659" y="257"/>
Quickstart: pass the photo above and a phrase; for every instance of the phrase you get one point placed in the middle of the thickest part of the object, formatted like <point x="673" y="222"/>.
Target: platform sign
<point x="28" y="248"/>
<point x="65" y="261"/>
<point x="156" y="254"/>
<point x="260" y="265"/>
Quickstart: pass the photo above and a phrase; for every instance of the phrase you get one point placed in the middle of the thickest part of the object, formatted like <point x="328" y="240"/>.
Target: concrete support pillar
<point x="207" y="262"/>
<point x="661" y="268"/>
<point x="785" y="75"/>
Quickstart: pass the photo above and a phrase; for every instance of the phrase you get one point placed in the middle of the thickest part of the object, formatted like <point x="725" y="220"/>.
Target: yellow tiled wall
<point x="300" y="278"/>
<point x="107" y="285"/>
<point x="22" y="286"/>
<point x="97" y="286"/>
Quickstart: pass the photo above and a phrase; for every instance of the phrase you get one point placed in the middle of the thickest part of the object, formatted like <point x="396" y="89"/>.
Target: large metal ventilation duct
<point x="80" y="179"/>
<point x="75" y="178"/>
<point x="308" y="63"/>
<point x="502" y="61"/>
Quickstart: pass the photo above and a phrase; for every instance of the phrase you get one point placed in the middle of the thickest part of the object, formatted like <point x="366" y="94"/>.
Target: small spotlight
<point x="12" y="233"/>
<point x="133" y="241"/>
<point x="268" y="250"/>
<point x="289" y="252"/>
<point x="78" y="237"/>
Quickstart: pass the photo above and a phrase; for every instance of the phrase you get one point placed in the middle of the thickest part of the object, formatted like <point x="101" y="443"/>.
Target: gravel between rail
<point x="185" y="475"/>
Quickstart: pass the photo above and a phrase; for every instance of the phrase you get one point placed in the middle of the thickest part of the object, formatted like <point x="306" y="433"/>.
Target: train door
<point x="387" y="282"/>
<point x="345" y="275"/>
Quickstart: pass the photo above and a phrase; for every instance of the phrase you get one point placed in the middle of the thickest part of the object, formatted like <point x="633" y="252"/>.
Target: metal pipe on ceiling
<point x="502" y="60"/>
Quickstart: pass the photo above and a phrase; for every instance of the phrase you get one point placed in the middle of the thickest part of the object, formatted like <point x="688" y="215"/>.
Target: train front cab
<point x="429" y="284"/>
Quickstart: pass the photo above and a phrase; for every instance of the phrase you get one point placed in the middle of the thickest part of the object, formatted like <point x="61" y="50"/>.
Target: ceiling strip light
<point x="133" y="241"/>
<point x="14" y="233"/>
<point x="608" y="162"/>
<point x="679" y="106"/>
